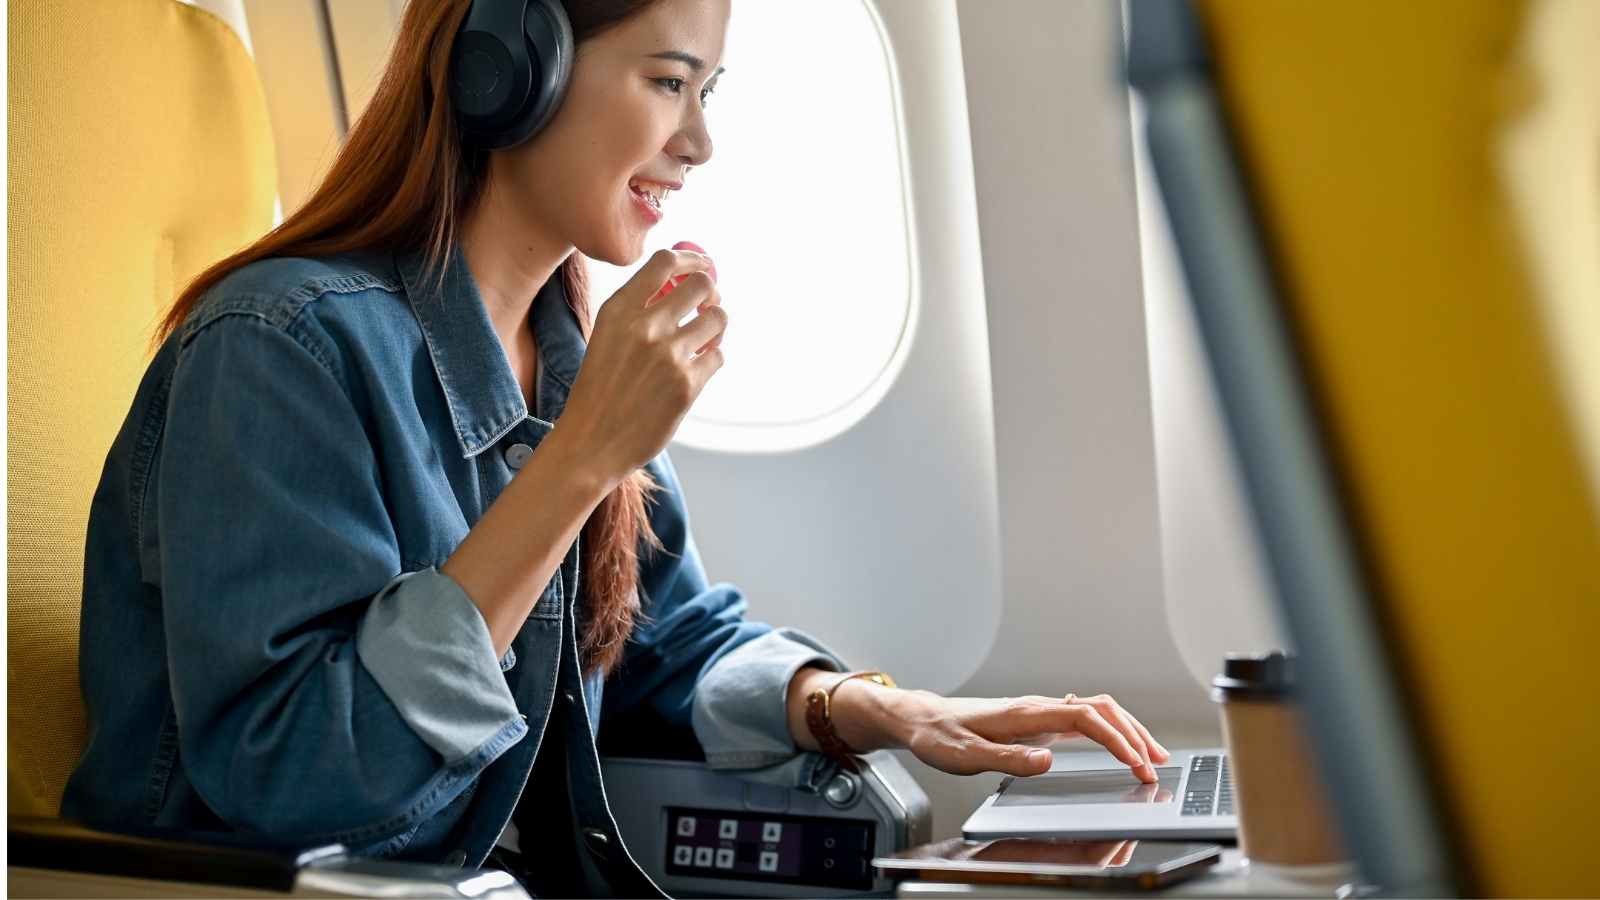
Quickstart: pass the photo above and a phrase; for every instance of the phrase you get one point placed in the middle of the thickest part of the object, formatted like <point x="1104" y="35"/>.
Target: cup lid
<point x="1255" y="675"/>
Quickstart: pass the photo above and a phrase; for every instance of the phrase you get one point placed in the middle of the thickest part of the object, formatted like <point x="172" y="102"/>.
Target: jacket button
<point x="517" y="455"/>
<point x="571" y="700"/>
<point x="597" y="842"/>
<point x="457" y="858"/>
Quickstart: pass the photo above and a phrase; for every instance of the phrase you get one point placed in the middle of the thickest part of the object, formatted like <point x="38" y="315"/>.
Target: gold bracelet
<point x="819" y="718"/>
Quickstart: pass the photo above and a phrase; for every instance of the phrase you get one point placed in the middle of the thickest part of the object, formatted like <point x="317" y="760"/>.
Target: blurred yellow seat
<point x="139" y="153"/>
<point x="1417" y="275"/>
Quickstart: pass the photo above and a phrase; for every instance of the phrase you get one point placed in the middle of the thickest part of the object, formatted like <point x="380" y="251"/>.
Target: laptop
<point x="1092" y="796"/>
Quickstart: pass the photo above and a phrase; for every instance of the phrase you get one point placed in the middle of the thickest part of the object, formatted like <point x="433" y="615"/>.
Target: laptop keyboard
<point x="1210" y="788"/>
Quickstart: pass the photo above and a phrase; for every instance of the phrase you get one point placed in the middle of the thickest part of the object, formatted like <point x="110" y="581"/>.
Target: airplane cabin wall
<point x="883" y="542"/>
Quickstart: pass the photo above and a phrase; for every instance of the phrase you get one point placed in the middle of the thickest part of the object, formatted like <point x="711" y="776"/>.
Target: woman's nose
<point x="692" y="144"/>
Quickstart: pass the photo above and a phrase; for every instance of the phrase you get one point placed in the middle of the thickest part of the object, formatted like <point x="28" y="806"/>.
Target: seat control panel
<point x="804" y="850"/>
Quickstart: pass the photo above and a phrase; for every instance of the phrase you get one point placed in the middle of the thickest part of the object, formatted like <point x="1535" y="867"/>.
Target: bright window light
<point x="805" y="209"/>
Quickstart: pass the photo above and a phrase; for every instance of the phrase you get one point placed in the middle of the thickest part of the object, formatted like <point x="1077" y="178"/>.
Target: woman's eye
<point x="675" y="85"/>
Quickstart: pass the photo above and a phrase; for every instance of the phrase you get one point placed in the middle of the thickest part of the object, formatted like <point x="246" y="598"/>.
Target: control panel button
<point x="729" y="829"/>
<point x="769" y="861"/>
<point x="725" y="858"/>
<point x="772" y="832"/>
<point x="682" y="854"/>
<point x="702" y="857"/>
<point x="841" y="790"/>
<point x="686" y="826"/>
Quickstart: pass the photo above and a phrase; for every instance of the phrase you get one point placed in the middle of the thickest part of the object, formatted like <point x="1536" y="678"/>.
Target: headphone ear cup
<point x="548" y="38"/>
<point x="482" y="82"/>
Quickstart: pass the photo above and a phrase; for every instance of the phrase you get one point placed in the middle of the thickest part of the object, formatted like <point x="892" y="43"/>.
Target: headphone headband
<point x="509" y="67"/>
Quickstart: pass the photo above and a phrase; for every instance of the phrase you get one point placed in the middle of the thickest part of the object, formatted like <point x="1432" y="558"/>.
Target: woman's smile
<point x="648" y="197"/>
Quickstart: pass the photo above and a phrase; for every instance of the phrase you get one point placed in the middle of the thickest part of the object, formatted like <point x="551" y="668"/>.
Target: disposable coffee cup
<point x="1284" y="817"/>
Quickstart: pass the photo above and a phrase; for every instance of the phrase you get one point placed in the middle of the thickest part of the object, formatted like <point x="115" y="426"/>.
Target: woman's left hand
<point x="967" y="735"/>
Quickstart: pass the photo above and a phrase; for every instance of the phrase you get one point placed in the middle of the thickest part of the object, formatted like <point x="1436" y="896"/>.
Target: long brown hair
<point x="404" y="179"/>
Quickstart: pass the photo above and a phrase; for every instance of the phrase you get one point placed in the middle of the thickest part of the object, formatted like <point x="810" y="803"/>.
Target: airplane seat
<point x="140" y="152"/>
<point x="1363" y="172"/>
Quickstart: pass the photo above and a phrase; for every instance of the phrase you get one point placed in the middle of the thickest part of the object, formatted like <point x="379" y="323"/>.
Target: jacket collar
<point x="480" y="389"/>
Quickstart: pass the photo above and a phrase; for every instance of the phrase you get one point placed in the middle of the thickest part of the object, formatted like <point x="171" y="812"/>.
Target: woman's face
<point x="633" y="114"/>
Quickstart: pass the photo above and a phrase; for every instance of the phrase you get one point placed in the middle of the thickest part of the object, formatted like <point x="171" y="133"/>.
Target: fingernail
<point x="696" y="248"/>
<point x="1039" y="756"/>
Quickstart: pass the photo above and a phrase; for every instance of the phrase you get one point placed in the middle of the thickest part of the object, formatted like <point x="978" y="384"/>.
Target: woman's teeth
<point x="653" y="194"/>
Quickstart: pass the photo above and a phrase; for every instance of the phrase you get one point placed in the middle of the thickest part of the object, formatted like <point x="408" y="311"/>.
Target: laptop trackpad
<point x="1098" y="786"/>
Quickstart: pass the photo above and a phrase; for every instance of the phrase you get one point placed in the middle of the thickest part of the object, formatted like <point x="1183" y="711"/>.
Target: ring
<point x="1071" y="698"/>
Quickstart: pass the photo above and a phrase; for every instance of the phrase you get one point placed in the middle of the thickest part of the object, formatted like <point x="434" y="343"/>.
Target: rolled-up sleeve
<point x="698" y="663"/>
<point x="320" y="691"/>
<point x="741" y="706"/>
<point x="427" y="646"/>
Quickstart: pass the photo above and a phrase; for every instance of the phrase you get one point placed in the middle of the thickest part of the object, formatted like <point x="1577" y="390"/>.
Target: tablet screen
<point x="1114" y="859"/>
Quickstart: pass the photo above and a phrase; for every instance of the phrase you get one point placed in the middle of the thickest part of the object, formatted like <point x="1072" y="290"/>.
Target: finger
<point x="691" y="245"/>
<point x="1122" y="722"/>
<point x="658" y="270"/>
<point x="1112" y="712"/>
<point x="1093" y="726"/>
<point x="1125" y="854"/>
<point x="690" y="293"/>
<point x="1012" y="759"/>
<point x="1154" y="751"/>
<point x="1038" y="714"/>
<point x="1157" y="752"/>
<point x="704" y="366"/>
<point x="714" y="300"/>
<point x="703" y="329"/>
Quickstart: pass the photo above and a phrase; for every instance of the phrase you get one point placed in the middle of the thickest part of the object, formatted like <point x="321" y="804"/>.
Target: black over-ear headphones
<point x="509" y="68"/>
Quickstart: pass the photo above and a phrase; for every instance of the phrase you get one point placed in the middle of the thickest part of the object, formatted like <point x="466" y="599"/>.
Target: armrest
<point x="151" y="853"/>
<point x="237" y="862"/>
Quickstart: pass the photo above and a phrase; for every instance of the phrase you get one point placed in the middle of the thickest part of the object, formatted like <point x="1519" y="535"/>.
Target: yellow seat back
<point x="1372" y="133"/>
<point x="139" y="153"/>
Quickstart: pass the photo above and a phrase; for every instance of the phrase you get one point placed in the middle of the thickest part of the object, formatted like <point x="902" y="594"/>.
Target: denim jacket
<point x="268" y="645"/>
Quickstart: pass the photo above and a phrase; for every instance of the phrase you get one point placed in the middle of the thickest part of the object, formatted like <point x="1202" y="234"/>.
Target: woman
<point x="389" y="531"/>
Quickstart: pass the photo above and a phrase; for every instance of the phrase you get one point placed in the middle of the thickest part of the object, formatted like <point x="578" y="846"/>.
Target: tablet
<point x="1094" y="864"/>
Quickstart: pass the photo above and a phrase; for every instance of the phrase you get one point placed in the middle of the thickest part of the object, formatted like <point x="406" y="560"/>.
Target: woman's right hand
<point x="642" y="370"/>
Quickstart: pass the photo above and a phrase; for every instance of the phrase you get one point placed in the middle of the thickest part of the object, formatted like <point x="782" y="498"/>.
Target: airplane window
<point x="805" y="210"/>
